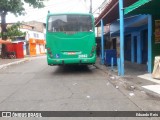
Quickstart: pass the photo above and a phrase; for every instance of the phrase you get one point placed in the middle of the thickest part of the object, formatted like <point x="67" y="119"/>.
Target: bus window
<point x="70" y="23"/>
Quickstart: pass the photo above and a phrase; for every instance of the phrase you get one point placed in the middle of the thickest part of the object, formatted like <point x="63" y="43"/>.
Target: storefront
<point x="150" y="8"/>
<point x="137" y="41"/>
<point x="36" y="46"/>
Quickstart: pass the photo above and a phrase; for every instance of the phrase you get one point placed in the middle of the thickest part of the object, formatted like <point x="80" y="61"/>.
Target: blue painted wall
<point x="136" y="38"/>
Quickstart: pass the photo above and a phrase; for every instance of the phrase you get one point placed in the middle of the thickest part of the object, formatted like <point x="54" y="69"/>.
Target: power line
<point x="99" y="7"/>
<point x="68" y="8"/>
<point x="84" y="3"/>
<point x="24" y="19"/>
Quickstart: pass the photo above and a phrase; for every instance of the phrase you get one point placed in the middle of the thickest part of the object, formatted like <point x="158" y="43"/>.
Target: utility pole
<point x="90" y="11"/>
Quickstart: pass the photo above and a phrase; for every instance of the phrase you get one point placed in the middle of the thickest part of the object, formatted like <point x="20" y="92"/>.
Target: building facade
<point x="135" y="26"/>
<point x="35" y="38"/>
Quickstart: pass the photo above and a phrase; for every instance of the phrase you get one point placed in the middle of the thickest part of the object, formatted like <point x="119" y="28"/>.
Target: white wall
<point x="33" y="34"/>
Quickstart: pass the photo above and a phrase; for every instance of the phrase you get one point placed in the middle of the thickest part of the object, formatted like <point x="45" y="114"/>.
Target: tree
<point x="17" y="8"/>
<point x="14" y="31"/>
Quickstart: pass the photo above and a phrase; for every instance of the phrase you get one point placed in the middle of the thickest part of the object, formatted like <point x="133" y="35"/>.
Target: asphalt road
<point x="35" y="86"/>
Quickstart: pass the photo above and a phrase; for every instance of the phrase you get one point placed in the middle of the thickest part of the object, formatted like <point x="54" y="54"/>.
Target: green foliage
<point x="35" y="3"/>
<point x="17" y="6"/>
<point x="14" y="31"/>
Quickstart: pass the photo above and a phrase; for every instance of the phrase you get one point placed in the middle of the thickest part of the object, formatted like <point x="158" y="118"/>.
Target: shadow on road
<point x="70" y="69"/>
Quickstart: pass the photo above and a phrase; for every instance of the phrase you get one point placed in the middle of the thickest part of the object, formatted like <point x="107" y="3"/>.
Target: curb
<point x="13" y="63"/>
<point x="20" y="61"/>
<point x="140" y="88"/>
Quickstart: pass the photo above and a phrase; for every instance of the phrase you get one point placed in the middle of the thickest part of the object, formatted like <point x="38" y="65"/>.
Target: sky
<point x="55" y="6"/>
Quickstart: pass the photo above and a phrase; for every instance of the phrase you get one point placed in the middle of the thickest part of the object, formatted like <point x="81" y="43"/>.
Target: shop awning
<point x="143" y="7"/>
<point x="111" y="12"/>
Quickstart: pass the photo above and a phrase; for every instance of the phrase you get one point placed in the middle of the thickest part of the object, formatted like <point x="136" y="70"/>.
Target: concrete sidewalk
<point x="7" y="62"/>
<point x="135" y="78"/>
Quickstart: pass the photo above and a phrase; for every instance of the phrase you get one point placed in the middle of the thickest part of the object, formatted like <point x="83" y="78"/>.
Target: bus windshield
<point x="70" y="23"/>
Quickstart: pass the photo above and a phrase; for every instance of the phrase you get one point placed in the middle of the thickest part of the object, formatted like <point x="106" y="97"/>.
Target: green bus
<point x="70" y="39"/>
